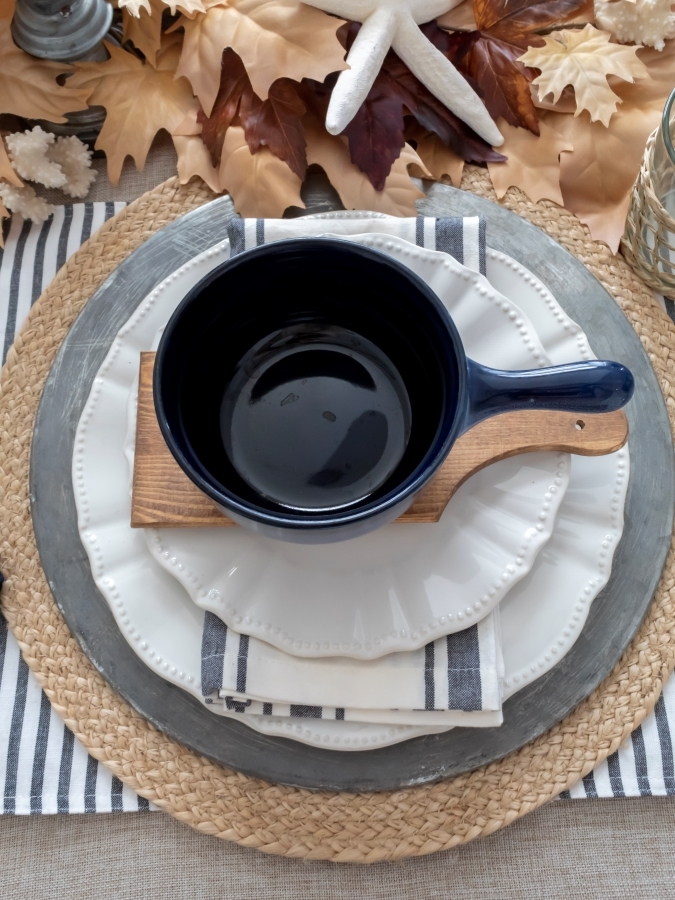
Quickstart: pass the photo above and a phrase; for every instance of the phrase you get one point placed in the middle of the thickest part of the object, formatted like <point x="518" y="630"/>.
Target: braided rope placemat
<point x="344" y="827"/>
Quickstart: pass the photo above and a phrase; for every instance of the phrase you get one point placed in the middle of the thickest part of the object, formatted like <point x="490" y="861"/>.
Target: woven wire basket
<point x="648" y="241"/>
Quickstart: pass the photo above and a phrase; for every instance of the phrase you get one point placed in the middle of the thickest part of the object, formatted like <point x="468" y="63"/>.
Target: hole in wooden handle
<point x="579" y="424"/>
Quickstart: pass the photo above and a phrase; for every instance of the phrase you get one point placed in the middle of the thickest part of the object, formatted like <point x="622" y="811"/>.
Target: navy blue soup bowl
<point x="312" y="387"/>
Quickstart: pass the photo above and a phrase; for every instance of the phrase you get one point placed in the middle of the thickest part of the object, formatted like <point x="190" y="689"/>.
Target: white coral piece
<point x="28" y="152"/>
<point x="25" y="202"/>
<point x="63" y="162"/>
<point x="649" y="22"/>
<point x="74" y="158"/>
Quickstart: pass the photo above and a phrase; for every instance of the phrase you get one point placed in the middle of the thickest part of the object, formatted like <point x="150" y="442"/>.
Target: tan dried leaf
<point x="7" y="173"/>
<point x="134" y="7"/>
<point x="584" y="59"/>
<point x="355" y="190"/>
<point x="189" y="8"/>
<point x="28" y="86"/>
<point x="596" y="180"/>
<point x="274" y="38"/>
<point x="195" y="159"/>
<point x="139" y="100"/>
<point x="145" y="29"/>
<point x="189" y="125"/>
<point x="260" y="184"/>
<point x="459" y="17"/>
<point x="440" y="161"/>
<point x="533" y="163"/>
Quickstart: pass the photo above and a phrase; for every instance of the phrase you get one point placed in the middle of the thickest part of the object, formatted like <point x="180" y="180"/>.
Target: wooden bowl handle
<point x="510" y="434"/>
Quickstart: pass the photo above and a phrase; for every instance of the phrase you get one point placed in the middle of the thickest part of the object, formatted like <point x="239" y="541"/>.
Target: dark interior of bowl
<point x="302" y="287"/>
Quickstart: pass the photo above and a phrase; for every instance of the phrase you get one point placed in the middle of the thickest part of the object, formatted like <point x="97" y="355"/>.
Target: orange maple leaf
<point x="139" y="101"/>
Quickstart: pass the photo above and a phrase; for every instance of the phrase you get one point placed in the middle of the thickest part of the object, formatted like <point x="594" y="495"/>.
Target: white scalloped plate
<point x="150" y="608"/>
<point x="402" y="585"/>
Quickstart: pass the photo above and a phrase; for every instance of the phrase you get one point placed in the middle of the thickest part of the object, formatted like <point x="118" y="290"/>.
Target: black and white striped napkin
<point x="463" y="238"/>
<point x="454" y="680"/>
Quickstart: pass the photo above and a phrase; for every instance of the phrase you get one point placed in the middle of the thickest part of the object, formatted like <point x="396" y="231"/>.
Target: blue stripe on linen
<point x="450" y="237"/>
<point x="16" y="728"/>
<point x="90" y="785"/>
<point x="116" y="793"/>
<point x="14" y="284"/>
<point x="429" y="685"/>
<point x="214" y="641"/>
<point x="589" y="785"/>
<point x="40" y="757"/>
<point x="614" y="769"/>
<point x="65" y="769"/>
<point x="464" y="685"/>
<point x="640" y="758"/>
<point x="236" y="235"/>
<point x="663" y="727"/>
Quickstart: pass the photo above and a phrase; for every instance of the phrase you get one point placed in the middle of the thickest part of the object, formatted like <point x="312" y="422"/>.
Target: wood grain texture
<point x="164" y="497"/>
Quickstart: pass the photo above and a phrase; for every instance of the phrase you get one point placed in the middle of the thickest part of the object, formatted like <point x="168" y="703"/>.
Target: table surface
<point x="590" y="849"/>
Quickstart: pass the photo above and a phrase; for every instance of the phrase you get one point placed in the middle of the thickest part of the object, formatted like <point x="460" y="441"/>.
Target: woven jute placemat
<point x="344" y="827"/>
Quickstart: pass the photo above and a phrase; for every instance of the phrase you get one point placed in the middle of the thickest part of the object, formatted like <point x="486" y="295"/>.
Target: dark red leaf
<point x="523" y="16"/>
<point x="277" y="123"/>
<point x="504" y="82"/>
<point x="375" y="133"/>
<point x="234" y="82"/>
<point x="434" y="116"/>
<point x="490" y="54"/>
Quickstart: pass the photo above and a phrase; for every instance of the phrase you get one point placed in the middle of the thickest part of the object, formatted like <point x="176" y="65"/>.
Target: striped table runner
<point x="43" y="768"/>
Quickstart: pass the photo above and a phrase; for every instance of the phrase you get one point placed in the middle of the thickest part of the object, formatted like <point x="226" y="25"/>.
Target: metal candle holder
<point x="66" y="32"/>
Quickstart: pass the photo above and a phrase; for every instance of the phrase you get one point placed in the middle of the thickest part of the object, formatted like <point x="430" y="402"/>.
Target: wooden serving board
<point x="164" y="497"/>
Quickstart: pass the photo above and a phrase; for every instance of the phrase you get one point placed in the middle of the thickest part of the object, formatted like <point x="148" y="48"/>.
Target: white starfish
<point x="394" y="23"/>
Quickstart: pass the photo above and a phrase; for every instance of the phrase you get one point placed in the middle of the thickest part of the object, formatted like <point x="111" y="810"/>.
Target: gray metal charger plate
<point x="614" y="616"/>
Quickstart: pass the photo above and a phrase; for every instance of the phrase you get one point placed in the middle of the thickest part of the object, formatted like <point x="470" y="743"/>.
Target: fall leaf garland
<point x="243" y="87"/>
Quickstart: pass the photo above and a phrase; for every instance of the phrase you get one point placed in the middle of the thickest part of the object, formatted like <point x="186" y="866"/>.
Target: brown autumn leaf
<point x="194" y="159"/>
<point x="145" y="30"/>
<point x="7" y="173"/>
<point x="596" y="179"/>
<point x="584" y="59"/>
<point x="139" y="101"/>
<point x="489" y="55"/>
<point x="261" y="185"/>
<point x="438" y="159"/>
<point x="376" y="133"/>
<point x="274" y="38"/>
<point x="234" y="82"/>
<point x="354" y="188"/>
<point x="533" y="163"/>
<point x="275" y="122"/>
<point x="28" y="85"/>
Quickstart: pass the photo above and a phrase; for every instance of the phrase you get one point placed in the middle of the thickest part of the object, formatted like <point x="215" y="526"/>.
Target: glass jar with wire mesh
<point x="648" y="242"/>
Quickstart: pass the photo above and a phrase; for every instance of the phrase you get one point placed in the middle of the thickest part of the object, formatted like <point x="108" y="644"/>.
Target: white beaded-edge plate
<point x="165" y="630"/>
<point x="404" y="584"/>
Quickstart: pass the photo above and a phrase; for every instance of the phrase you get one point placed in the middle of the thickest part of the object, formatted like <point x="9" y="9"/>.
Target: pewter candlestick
<point x="66" y="32"/>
